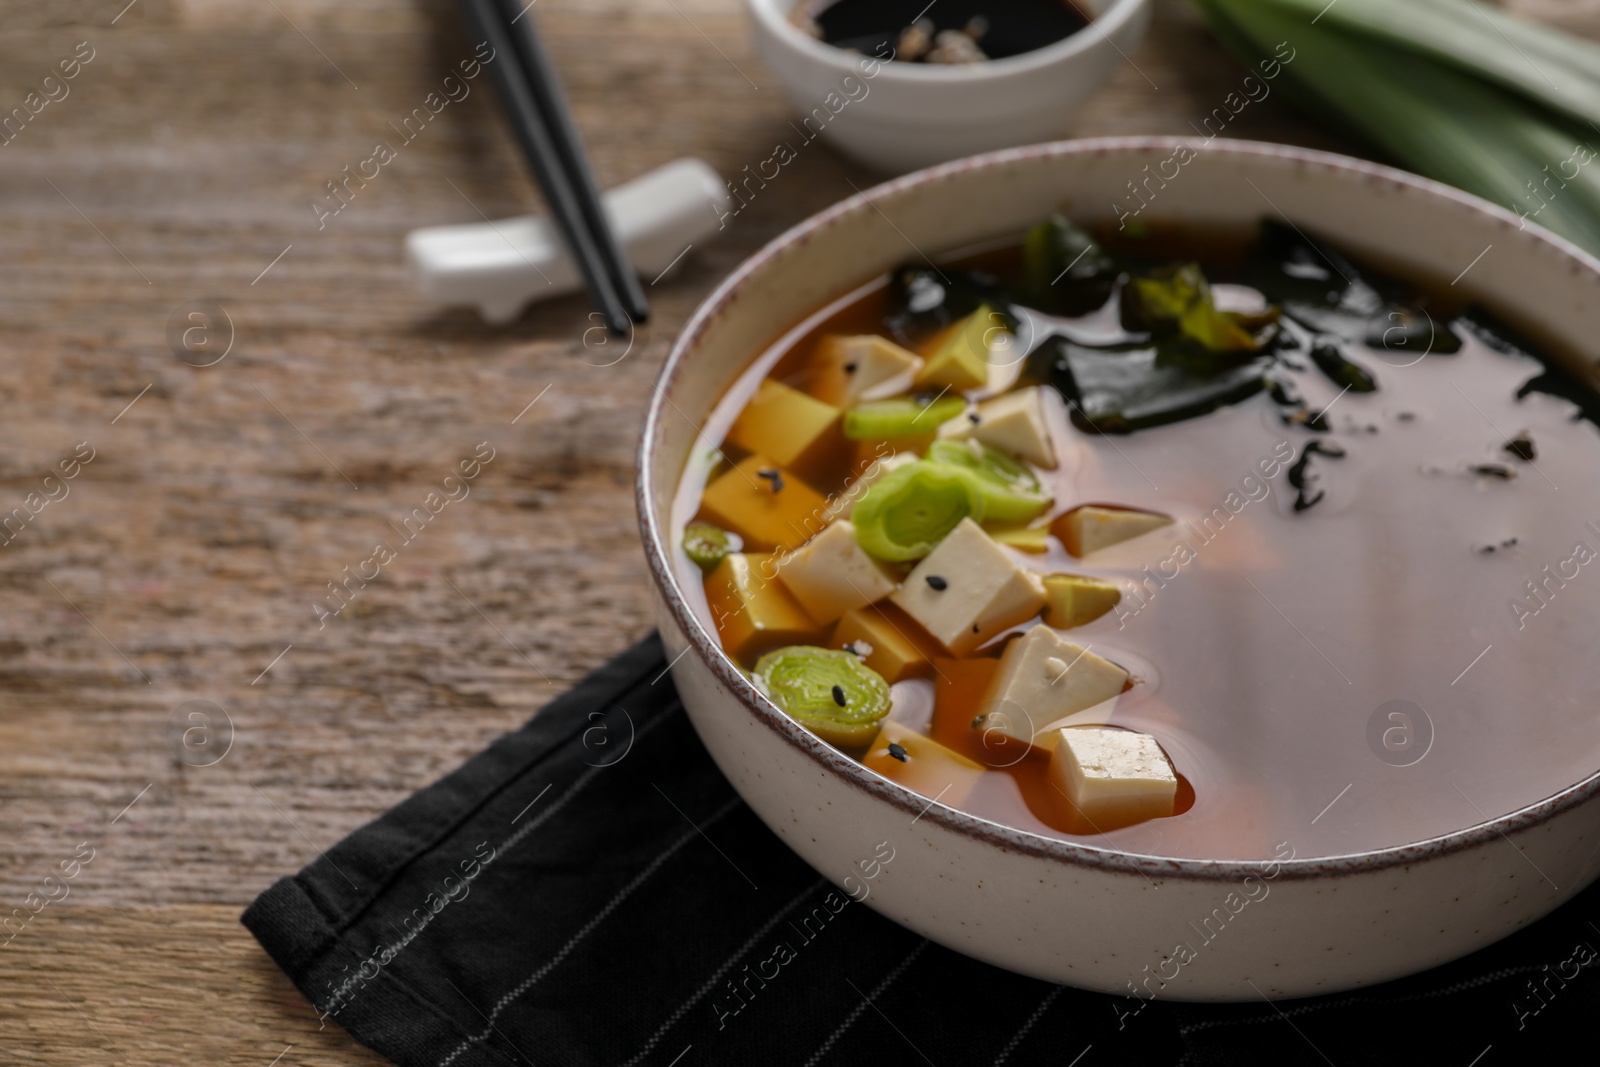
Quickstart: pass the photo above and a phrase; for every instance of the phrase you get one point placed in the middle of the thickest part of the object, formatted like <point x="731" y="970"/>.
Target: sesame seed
<point x="774" y="476"/>
<point x="849" y="368"/>
<point x="937" y="584"/>
<point x="838" y="696"/>
<point x="897" y="751"/>
<point x="974" y="418"/>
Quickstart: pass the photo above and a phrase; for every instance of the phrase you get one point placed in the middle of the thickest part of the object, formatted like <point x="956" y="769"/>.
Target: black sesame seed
<point x="849" y="646"/>
<point x="773" y="476"/>
<point x="897" y="751"/>
<point x="1494" y="470"/>
<point x="974" y="418"/>
<point x="1521" y="446"/>
<point x="1508" y="542"/>
<point x="838" y="696"/>
<point x="937" y="584"/>
<point x="849" y="368"/>
<point x="978" y="721"/>
<point x="974" y="627"/>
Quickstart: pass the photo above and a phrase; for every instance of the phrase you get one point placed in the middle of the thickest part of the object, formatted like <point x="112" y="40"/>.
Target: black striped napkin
<point x="591" y="891"/>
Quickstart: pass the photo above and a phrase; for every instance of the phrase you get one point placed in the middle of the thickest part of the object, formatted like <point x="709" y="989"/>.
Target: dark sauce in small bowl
<point x="949" y="31"/>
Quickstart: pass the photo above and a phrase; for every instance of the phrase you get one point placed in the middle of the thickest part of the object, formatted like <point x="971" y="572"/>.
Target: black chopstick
<point x="485" y="17"/>
<point x="564" y="134"/>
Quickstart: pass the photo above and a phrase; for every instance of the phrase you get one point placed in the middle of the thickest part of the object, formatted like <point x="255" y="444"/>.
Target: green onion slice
<point x="1008" y="490"/>
<point x="884" y="420"/>
<point x="908" y="511"/>
<point x="829" y="692"/>
<point x="706" y="545"/>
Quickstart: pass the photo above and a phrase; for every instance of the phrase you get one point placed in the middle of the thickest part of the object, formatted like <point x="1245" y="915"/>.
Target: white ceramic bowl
<point x="1067" y="911"/>
<point x="899" y="116"/>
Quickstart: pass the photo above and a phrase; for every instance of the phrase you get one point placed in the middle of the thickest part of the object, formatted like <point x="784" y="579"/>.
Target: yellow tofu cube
<point x="1090" y="528"/>
<point x="1013" y="423"/>
<point x="1073" y="599"/>
<point x="1031" y="539"/>
<point x="764" y="504"/>
<point x="960" y="355"/>
<point x="888" y="640"/>
<point x="831" y="574"/>
<point x="797" y="432"/>
<point x="968" y="590"/>
<point x="864" y="367"/>
<point x="752" y="610"/>
<point x="1112" y="778"/>
<point x="922" y="764"/>
<point x="1044" y="678"/>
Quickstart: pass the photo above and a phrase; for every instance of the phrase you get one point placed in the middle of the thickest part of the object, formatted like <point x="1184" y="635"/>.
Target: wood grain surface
<point x="183" y="562"/>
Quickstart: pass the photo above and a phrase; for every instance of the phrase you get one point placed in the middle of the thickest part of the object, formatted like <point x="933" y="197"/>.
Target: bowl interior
<point x="1416" y="226"/>
<point x="1108" y="17"/>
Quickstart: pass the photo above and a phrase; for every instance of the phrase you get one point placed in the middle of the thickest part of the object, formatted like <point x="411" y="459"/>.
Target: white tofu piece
<point x="864" y="367"/>
<point x="1042" y="678"/>
<point x="968" y="590"/>
<point x="1012" y="423"/>
<point x="1089" y="528"/>
<point x="830" y="574"/>
<point x="1113" y="777"/>
<point x="841" y="506"/>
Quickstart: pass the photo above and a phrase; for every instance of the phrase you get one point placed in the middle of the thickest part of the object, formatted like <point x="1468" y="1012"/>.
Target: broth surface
<point x="1411" y="654"/>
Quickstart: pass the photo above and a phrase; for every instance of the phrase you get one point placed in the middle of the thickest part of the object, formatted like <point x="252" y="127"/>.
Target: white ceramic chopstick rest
<point x="500" y="266"/>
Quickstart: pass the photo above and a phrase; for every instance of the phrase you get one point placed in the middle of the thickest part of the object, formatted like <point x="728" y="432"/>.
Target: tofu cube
<point x="888" y="640"/>
<point x="831" y="574"/>
<point x="775" y="511"/>
<point x="1073" y="599"/>
<point x="752" y="610"/>
<point x="797" y="432"/>
<point x="922" y="764"/>
<point x="1090" y="528"/>
<point x="1034" y="540"/>
<point x="1013" y="423"/>
<point x="1043" y="678"/>
<point x="1112" y="778"/>
<point x="865" y="367"/>
<point x="968" y="590"/>
<point x="841" y="505"/>
<point x="959" y="358"/>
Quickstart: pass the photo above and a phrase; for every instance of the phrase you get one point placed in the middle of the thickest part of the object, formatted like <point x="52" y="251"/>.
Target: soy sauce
<point x="874" y="27"/>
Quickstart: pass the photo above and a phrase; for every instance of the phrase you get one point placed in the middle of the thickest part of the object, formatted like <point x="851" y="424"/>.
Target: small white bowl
<point x="898" y="117"/>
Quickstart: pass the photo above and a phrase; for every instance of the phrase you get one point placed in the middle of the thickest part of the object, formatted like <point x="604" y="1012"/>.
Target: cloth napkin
<point x="590" y="891"/>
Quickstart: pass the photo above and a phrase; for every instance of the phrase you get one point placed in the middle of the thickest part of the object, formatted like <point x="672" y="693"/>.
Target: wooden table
<point x="182" y="563"/>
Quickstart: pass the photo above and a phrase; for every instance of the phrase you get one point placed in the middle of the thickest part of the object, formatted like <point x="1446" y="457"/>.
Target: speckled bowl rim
<point x="1006" y="838"/>
<point x="1117" y="13"/>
